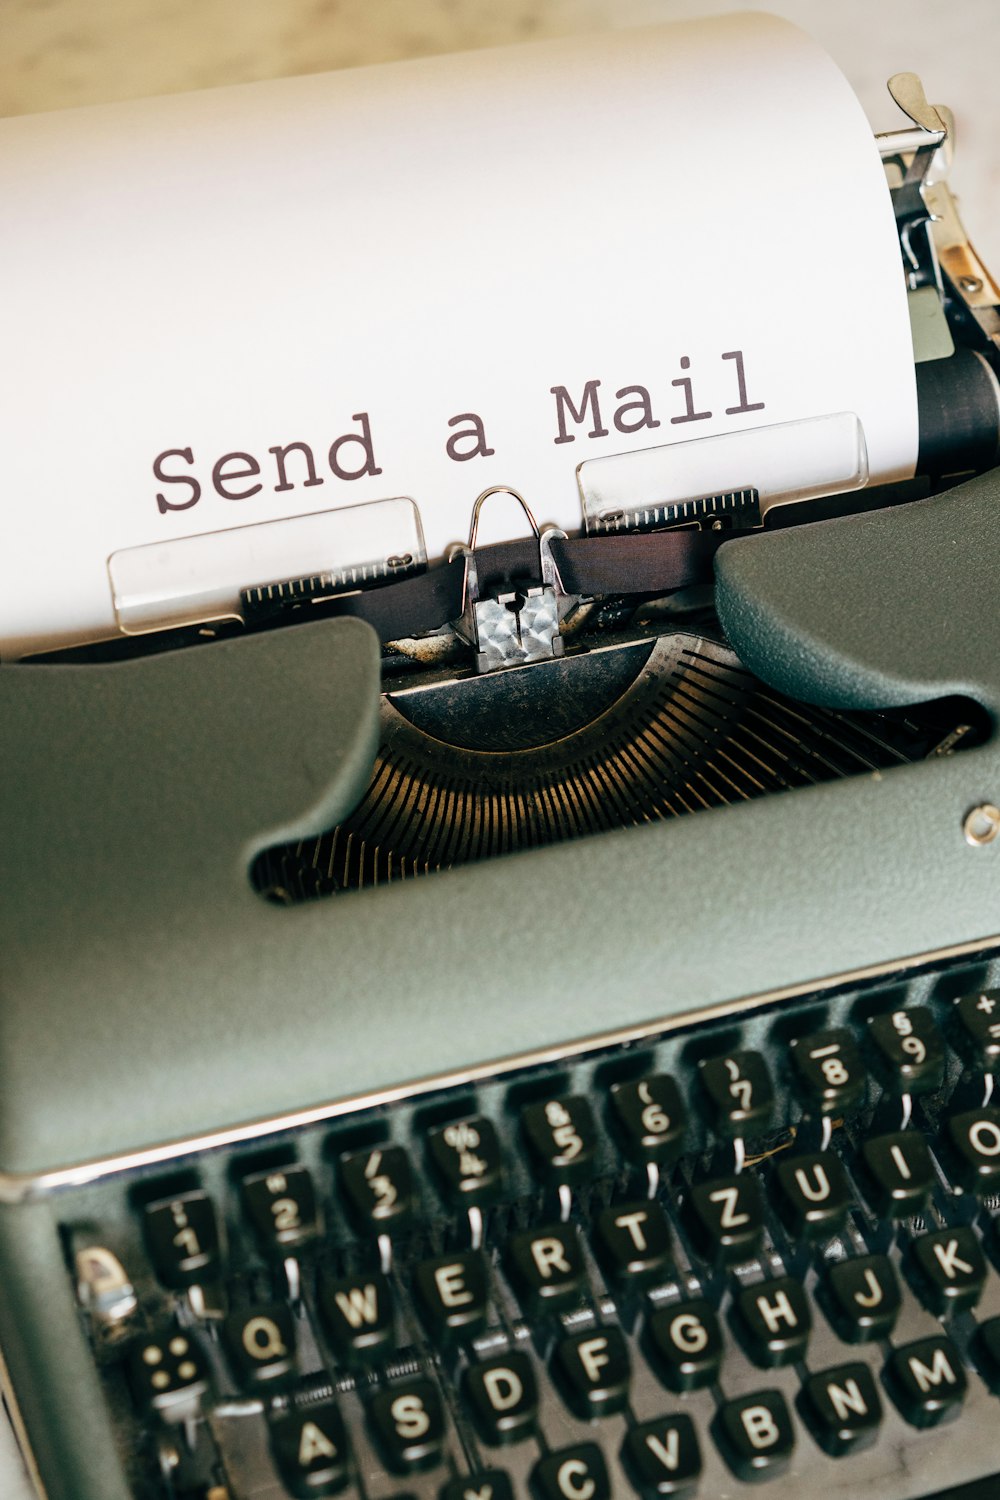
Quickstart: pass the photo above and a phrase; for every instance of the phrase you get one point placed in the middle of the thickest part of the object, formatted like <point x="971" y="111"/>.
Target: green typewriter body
<point x="656" y="1160"/>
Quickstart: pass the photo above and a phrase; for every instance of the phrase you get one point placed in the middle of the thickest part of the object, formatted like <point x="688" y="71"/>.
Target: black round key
<point x="633" y="1241"/>
<point x="814" y="1195"/>
<point x="908" y="1050"/>
<point x="650" y="1118"/>
<point x="842" y="1409"/>
<point x="975" y="1029"/>
<point x="685" y="1345"/>
<point x="861" y="1298"/>
<point x="571" y="1472"/>
<point x="503" y="1394"/>
<point x="182" y="1236"/>
<point x="467" y="1158"/>
<point x="592" y="1370"/>
<point x="948" y="1269"/>
<point x="281" y="1205"/>
<point x="311" y="1451"/>
<point x="169" y="1373"/>
<point x="900" y="1173"/>
<point x="755" y="1435"/>
<point x="408" y="1422"/>
<point x="453" y="1291"/>
<point x="926" y="1381"/>
<point x="829" y="1075"/>
<point x="726" y="1217"/>
<point x="562" y="1137"/>
<point x="774" y="1322"/>
<point x="739" y="1093"/>
<point x="663" y="1458"/>
<point x="378" y="1185"/>
<point x="260" y="1342"/>
<point x="972" y="1144"/>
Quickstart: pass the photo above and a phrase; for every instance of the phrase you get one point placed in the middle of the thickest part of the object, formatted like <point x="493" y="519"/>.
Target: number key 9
<point x="908" y="1050"/>
<point x="281" y="1205"/>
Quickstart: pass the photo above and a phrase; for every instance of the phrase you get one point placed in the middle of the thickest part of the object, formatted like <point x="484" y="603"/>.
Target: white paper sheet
<point x="241" y="270"/>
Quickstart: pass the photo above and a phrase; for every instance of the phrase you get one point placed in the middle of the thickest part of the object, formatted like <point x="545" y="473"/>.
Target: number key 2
<point x="829" y="1074"/>
<point x="651" y="1118"/>
<point x="281" y="1205"/>
<point x="562" y="1136"/>
<point x="379" y="1187"/>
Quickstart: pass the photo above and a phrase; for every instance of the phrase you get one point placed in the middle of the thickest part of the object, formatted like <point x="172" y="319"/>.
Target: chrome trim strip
<point x="20" y="1187"/>
<point x="12" y="1413"/>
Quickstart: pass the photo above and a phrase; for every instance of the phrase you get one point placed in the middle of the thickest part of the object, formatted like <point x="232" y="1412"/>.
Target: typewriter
<point x="548" y="1050"/>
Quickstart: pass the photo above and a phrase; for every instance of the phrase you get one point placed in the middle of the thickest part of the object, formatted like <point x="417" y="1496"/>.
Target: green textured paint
<point x="60" y="1399"/>
<point x="148" y="994"/>
<point x="869" y="611"/>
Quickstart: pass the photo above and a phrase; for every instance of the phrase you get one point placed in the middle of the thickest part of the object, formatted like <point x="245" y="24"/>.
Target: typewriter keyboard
<point x="757" y="1249"/>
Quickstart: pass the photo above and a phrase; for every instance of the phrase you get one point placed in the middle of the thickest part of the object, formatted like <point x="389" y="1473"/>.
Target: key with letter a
<point x="357" y="1315"/>
<point x="310" y="1450"/>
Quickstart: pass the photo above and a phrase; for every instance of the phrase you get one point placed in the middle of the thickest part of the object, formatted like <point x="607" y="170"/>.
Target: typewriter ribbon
<point x="305" y="296"/>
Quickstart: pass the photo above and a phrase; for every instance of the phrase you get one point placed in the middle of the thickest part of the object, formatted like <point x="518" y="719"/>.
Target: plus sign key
<point x="976" y="1029"/>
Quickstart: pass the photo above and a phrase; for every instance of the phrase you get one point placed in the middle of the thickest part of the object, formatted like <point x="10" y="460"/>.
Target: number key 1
<point x="281" y="1205"/>
<point x="829" y="1074"/>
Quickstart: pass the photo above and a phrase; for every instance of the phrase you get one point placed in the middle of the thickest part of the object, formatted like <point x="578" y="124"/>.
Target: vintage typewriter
<point x="549" y="1047"/>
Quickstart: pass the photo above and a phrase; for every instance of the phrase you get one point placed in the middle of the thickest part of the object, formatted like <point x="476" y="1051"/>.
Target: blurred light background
<point x="59" y="53"/>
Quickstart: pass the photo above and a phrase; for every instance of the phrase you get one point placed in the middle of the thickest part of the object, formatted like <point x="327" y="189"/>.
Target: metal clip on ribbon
<point x="519" y="625"/>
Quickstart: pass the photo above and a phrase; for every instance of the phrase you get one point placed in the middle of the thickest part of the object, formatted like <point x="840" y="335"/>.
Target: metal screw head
<point x="982" y="824"/>
<point x="970" y="283"/>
